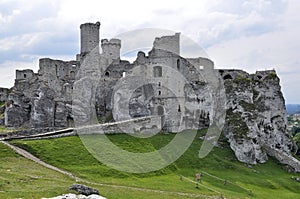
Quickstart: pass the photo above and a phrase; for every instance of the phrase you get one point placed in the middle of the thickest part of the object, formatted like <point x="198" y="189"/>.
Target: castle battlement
<point x="113" y="41"/>
<point x="170" y="43"/>
<point x="111" y="48"/>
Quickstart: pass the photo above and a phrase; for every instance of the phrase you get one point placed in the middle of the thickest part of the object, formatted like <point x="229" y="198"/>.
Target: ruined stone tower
<point x="111" y="48"/>
<point x="89" y="36"/>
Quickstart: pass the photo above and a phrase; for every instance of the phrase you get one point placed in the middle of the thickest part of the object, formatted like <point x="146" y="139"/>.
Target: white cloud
<point x="7" y="71"/>
<point x="21" y="42"/>
<point x="277" y="49"/>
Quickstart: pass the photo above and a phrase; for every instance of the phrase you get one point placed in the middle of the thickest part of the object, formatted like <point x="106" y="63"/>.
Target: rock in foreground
<point x="74" y="196"/>
<point x="85" y="190"/>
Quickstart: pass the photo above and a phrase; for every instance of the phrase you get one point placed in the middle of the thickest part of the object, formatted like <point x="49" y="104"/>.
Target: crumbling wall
<point x="4" y="94"/>
<point x="168" y="43"/>
<point x="24" y="74"/>
<point x="202" y="63"/>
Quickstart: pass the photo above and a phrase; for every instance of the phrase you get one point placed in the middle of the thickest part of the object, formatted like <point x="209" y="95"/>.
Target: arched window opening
<point x="25" y="75"/>
<point x="179" y="109"/>
<point x="107" y="74"/>
<point x="72" y="75"/>
<point x="160" y="110"/>
<point x="157" y="71"/>
<point x="159" y="93"/>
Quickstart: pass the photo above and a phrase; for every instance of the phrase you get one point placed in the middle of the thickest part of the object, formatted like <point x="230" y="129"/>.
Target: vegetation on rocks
<point x="2" y="103"/>
<point x="242" y="81"/>
<point x="272" y="76"/>
<point x="238" y="127"/>
<point x="247" y="106"/>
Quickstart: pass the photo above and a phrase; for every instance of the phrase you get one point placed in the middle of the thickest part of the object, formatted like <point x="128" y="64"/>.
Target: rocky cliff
<point x="256" y="118"/>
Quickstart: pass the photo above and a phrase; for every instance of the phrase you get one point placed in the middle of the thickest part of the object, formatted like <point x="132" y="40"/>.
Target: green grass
<point x="2" y="103"/>
<point x="22" y="178"/>
<point x="270" y="181"/>
<point x="3" y="129"/>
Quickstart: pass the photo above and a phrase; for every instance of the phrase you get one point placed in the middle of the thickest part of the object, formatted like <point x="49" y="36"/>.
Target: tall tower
<point x="111" y="48"/>
<point x="89" y="35"/>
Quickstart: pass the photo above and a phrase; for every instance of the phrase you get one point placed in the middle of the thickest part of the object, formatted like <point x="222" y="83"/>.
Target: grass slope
<point x="22" y="178"/>
<point x="268" y="181"/>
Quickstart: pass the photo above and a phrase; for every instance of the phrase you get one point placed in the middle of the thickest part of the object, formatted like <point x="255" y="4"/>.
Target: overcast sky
<point x="241" y="34"/>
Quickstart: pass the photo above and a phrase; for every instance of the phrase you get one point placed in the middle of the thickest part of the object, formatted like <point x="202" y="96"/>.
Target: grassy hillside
<point x="22" y="178"/>
<point x="265" y="181"/>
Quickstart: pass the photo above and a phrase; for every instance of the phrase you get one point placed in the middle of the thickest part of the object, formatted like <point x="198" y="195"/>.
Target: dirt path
<point x="29" y="156"/>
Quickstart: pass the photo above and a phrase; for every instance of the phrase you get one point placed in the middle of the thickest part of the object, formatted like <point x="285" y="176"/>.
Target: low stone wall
<point x="144" y="125"/>
<point x="141" y="125"/>
<point x="19" y="134"/>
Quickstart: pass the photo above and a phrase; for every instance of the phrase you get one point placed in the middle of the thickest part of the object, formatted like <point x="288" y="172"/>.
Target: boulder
<point x="74" y="196"/>
<point x="83" y="189"/>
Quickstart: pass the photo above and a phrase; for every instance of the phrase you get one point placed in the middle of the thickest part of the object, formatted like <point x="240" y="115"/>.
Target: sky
<point x="236" y="34"/>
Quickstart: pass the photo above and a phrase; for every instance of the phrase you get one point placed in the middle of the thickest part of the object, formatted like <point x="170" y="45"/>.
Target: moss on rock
<point x="236" y="123"/>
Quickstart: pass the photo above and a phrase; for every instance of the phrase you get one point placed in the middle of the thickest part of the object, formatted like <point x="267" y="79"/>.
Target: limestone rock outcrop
<point x="17" y="112"/>
<point x="256" y="118"/>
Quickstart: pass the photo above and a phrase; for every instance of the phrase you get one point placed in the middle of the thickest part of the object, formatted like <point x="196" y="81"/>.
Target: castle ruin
<point x="255" y="123"/>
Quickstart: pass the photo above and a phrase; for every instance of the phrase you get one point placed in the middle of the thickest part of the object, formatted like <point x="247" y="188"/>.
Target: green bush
<point x="271" y="76"/>
<point x="247" y="106"/>
<point x="236" y="123"/>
